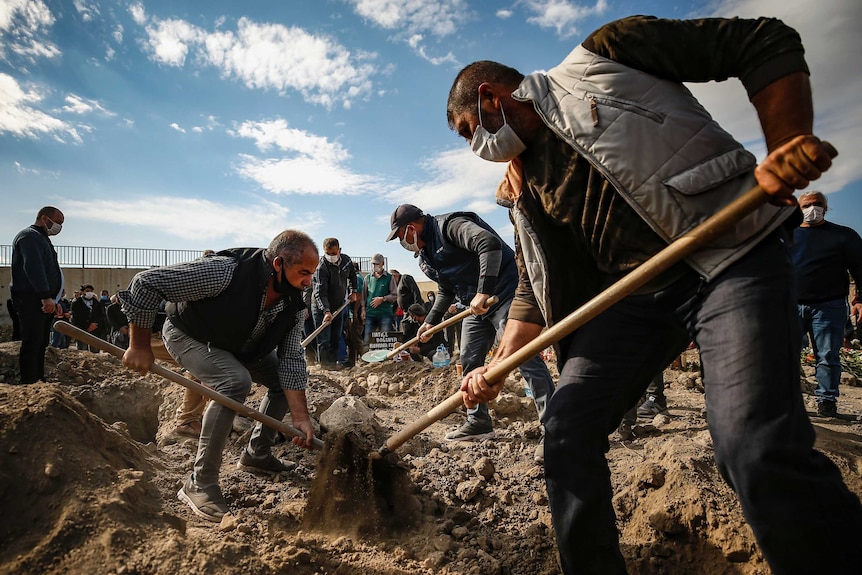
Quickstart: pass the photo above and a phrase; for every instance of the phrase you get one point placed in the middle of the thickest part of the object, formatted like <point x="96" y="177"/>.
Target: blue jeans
<point x="222" y="371"/>
<point x="825" y="322"/>
<point x="329" y="340"/>
<point x="382" y="323"/>
<point x="478" y="334"/>
<point x="745" y="325"/>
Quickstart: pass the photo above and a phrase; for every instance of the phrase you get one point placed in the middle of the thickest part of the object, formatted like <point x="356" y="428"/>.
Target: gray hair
<point x="814" y="194"/>
<point x="290" y="245"/>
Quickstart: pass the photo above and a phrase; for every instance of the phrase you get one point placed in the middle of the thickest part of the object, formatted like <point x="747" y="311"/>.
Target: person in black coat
<point x="88" y="314"/>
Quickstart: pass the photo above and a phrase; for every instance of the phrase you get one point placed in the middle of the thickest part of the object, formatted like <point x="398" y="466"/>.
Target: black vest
<point x="227" y="320"/>
<point x="451" y="265"/>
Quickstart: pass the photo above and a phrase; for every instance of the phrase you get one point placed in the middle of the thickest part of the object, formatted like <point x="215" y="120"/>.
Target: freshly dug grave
<point x="90" y="467"/>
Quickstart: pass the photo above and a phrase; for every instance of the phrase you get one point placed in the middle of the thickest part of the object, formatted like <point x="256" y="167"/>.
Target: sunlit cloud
<point x="78" y="105"/>
<point x="264" y="56"/>
<point x="24" y="27"/>
<point x="561" y="15"/>
<point x="413" y="20"/>
<point x="20" y="115"/>
<point x="456" y="178"/>
<point x="248" y="223"/>
<point x="87" y="10"/>
<point x="306" y="163"/>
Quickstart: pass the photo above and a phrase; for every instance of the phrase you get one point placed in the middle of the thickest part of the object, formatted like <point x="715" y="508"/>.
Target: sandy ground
<point x="90" y="467"/>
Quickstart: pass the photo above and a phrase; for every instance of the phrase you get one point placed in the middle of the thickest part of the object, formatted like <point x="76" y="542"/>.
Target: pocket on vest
<point x="712" y="172"/>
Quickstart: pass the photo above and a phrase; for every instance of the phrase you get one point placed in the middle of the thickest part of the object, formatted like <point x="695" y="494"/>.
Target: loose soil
<point x="90" y="467"/>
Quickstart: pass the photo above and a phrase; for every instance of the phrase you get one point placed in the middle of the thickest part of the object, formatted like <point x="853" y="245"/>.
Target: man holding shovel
<point x="233" y="318"/>
<point x="468" y="260"/>
<point x="610" y="159"/>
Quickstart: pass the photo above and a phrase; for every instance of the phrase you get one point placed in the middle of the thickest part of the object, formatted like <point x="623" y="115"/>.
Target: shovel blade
<point x="375" y="356"/>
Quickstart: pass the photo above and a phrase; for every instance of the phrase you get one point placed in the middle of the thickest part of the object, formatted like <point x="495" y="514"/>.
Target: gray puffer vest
<point x="656" y="145"/>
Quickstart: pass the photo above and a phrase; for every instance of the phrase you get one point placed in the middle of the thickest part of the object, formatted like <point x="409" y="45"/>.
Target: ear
<point x="488" y="98"/>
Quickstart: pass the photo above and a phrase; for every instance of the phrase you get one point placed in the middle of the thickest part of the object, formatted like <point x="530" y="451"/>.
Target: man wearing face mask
<point x="611" y="158"/>
<point x="468" y="260"/>
<point x="333" y="283"/>
<point x="88" y="314"/>
<point x="234" y="318"/>
<point x="379" y="297"/>
<point x="823" y="253"/>
<point x="37" y="282"/>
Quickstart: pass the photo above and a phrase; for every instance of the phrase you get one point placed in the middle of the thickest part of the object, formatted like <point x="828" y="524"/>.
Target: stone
<point x="348" y="413"/>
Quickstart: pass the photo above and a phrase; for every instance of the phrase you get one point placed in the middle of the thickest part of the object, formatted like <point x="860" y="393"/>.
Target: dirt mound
<point x="90" y="466"/>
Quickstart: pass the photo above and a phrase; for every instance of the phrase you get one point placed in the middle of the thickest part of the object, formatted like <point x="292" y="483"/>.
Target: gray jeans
<point x="222" y="371"/>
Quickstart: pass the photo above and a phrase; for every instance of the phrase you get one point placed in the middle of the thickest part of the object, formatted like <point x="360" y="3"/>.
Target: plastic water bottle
<point x="441" y="356"/>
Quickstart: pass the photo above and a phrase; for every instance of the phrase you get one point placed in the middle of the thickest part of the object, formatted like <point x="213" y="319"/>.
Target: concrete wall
<point x="111" y="279"/>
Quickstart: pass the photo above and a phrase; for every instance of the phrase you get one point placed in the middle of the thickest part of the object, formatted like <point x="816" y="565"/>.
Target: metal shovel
<point x="378" y="355"/>
<point x="700" y="237"/>
<point x="240" y="408"/>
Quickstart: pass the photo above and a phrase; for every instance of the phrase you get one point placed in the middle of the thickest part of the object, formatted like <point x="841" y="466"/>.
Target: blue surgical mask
<point x="502" y="146"/>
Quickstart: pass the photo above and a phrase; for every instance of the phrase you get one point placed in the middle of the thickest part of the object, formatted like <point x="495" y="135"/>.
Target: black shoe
<point x="209" y="503"/>
<point x="269" y="465"/>
<point x="345" y="364"/>
<point x="651" y="407"/>
<point x="827" y="409"/>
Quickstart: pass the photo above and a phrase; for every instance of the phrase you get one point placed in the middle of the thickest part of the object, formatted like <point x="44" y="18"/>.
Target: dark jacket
<point x="408" y="292"/>
<point x="227" y="320"/>
<point x="83" y="315"/>
<point x="331" y="283"/>
<point x="447" y="259"/>
<point x="822" y="255"/>
<point x="35" y="270"/>
<point x="409" y="329"/>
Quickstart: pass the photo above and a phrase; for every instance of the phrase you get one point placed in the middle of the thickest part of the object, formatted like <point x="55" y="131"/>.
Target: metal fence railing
<point x="137" y="258"/>
<point x="99" y="257"/>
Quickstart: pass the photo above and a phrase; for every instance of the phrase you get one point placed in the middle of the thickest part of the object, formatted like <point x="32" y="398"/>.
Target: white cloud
<point x="561" y="15"/>
<point x="412" y="20"/>
<point x="177" y="127"/>
<point x="169" y="41"/>
<point x="311" y="164"/>
<point x="266" y="57"/>
<point x="20" y="116"/>
<point x="117" y="34"/>
<point x="455" y="178"/>
<point x="87" y="10"/>
<point x="139" y="15"/>
<point x="24" y="25"/>
<point x="77" y="105"/>
<point x="832" y="48"/>
<point x="503" y="14"/>
<point x="249" y="223"/>
<point x="439" y="18"/>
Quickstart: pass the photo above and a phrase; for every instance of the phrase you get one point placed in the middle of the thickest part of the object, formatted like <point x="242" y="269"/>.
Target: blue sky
<point x="215" y="124"/>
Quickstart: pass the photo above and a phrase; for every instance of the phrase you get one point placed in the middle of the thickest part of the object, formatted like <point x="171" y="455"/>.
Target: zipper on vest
<point x="594" y="111"/>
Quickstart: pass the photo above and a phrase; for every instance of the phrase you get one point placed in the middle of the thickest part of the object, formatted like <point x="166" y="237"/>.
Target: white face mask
<point x="414" y="247"/>
<point x="813" y="214"/>
<point x="55" y="228"/>
<point x="333" y="259"/>
<point x="89" y="295"/>
<point x="502" y="146"/>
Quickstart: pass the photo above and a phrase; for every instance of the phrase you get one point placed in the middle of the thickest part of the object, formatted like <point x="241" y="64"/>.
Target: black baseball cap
<point x="403" y="215"/>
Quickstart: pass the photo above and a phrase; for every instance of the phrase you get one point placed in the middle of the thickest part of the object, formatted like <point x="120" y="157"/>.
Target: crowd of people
<point x="584" y="215"/>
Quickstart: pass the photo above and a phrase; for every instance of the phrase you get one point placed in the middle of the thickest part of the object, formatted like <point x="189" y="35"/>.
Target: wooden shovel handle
<point x="321" y="327"/>
<point x="241" y="408"/>
<point x="701" y="236"/>
<point x="442" y="325"/>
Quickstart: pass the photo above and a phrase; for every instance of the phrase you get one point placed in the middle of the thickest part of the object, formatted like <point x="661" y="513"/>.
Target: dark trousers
<point x="745" y="324"/>
<point x="35" y="327"/>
